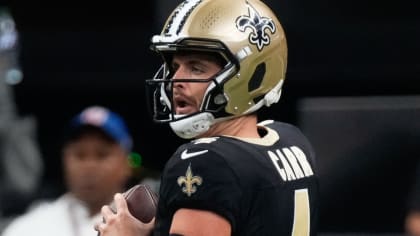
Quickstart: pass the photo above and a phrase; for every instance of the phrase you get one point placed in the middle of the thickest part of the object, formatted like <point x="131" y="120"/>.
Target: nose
<point x="89" y="162"/>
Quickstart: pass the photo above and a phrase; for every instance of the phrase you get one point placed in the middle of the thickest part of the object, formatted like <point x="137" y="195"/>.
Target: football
<point x="141" y="202"/>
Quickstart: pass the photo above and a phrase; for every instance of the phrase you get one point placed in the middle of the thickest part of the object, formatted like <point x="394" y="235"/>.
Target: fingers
<point x="99" y="227"/>
<point x="152" y="222"/>
<point x="96" y="226"/>
<point x="120" y="203"/>
<point x="106" y="213"/>
<point x="121" y="222"/>
<point x="118" y="206"/>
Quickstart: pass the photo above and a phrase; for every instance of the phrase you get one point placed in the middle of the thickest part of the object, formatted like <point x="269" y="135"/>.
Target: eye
<point x="197" y="70"/>
<point x="173" y="68"/>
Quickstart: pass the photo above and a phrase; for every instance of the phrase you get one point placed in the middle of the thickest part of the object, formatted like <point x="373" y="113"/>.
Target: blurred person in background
<point x="20" y="158"/>
<point x="95" y="153"/>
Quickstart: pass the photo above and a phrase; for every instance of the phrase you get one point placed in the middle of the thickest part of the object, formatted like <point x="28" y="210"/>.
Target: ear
<point x="129" y="170"/>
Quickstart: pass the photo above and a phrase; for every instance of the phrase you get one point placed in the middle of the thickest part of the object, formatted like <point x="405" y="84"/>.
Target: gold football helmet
<point x="247" y="35"/>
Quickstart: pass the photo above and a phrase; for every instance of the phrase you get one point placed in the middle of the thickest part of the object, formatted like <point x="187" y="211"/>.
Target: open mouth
<point x="183" y="106"/>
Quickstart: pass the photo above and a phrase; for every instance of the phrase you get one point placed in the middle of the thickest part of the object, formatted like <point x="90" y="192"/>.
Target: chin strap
<point x="274" y="95"/>
<point x="193" y="126"/>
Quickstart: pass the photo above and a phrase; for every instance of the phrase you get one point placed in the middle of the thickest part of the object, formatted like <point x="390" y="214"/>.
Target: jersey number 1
<point x="301" y="222"/>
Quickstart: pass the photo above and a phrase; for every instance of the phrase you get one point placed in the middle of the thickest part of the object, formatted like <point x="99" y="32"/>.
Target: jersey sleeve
<point x="202" y="180"/>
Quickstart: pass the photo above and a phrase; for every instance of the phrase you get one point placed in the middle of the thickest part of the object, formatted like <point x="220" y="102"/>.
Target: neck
<point x="241" y="127"/>
<point x="93" y="210"/>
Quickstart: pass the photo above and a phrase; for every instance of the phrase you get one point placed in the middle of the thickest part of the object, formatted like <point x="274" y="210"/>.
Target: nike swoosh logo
<point x="186" y="155"/>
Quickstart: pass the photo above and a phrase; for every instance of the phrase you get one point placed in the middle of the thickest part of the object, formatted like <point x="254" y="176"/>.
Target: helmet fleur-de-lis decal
<point x="258" y="25"/>
<point x="189" y="181"/>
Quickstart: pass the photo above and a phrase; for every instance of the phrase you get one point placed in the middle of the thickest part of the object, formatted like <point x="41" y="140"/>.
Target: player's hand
<point x="122" y="222"/>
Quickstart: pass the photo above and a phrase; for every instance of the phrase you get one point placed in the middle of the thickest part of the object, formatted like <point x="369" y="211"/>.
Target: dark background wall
<point x="74" y="55"/>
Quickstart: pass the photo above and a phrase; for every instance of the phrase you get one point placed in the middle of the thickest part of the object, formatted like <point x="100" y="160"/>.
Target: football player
<point x="223" y="62"/>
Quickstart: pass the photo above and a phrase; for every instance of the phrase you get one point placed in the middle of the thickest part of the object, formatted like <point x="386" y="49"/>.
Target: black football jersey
<point x="265" y="186"/>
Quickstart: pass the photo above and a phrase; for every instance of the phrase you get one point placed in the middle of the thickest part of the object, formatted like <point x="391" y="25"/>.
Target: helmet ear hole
<point x="257" y="78"/>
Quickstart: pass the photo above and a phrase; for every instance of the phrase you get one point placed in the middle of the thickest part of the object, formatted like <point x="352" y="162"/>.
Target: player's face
<point x="189" y="95"/>
<point x="95" y="169"/>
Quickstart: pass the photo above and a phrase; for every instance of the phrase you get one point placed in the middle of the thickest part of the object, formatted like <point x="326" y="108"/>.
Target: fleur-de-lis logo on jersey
<point x="189" y="181"/>
<point x="258" y="25"/>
